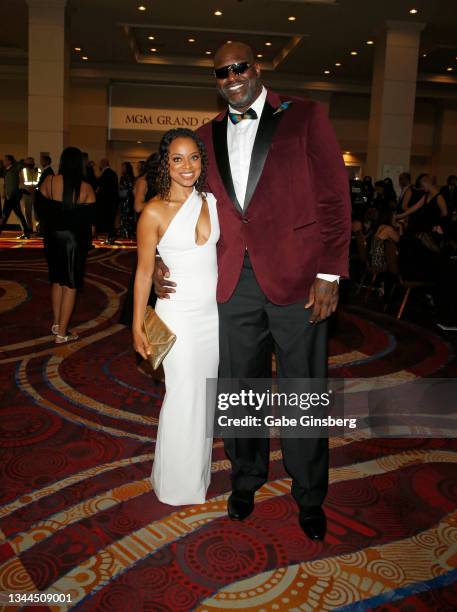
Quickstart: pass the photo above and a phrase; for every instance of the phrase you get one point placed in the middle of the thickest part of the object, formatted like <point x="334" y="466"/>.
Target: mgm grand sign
<point x="156" y="119"/>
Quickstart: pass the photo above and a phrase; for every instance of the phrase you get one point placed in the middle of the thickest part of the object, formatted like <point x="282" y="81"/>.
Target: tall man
<point x="46" y="169"/>
<point x="276" y="170"/>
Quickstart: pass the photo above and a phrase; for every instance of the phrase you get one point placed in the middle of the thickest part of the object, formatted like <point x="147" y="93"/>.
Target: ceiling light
<point x="268" y="44"/>
<point x="370" y="42"/>
<point x="354" y="52"/>
<point x="218" y="13"/>
<point x="77" y="48"/>
<point x="84" y="57"/>
<point x="151" y="37"/>
<point x="153" y="49"/>
<point x="291" y="18"/>
<point x="338" y="64"/>
<point x="413" y="11"/>
<point x="449" y="69"/>
<point x="229" y="42"/>
<point x="259" y="55"/>
<point x="424" y="55"/>
<point x="141" y="7"/>
<point x="191" y="40"/>
<point x="326" y="71"/>
<point x="139" y="142"/>
<point x="208" y="52"/>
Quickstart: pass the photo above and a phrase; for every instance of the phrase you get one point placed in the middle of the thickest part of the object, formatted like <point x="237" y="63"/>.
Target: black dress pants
<point x="249" y="326"/>
<point x="14" y="204"/>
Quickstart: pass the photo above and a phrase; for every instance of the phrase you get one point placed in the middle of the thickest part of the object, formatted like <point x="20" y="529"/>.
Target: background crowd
<point x="407" y="242"/>
<point x="115" y="209"/>
<point x="404" y="237"/>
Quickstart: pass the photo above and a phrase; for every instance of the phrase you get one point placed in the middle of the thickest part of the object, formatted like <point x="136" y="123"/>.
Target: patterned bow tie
<point x="237" y="117"/>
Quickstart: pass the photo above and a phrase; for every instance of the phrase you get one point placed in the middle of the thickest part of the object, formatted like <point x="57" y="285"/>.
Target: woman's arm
<point x="407" y="198"/>
<point x="412" y="209"/>
<point x="139" y="191"/>
<point x="147" y="239"/>
<point x="442" y="204"/>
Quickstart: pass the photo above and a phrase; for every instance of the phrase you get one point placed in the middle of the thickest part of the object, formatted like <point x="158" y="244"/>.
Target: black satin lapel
<point x="222" y="158"/>
<point x="265" y="132"/>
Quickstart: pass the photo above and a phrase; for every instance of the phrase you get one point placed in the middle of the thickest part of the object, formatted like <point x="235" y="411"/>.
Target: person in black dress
<point x="420" y="245"/>
<point x="126" y="198"/>
<point x="145" y="190"/>
<point x="107" y="201"/>
<point x="64" y="206"/>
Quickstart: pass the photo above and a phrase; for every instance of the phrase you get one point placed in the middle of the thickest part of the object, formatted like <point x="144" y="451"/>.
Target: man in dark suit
<point x="449" y="193"/>
<point x="46" y="169"/>
<point x="108" y="199"/>
<point x="283" y="202"/>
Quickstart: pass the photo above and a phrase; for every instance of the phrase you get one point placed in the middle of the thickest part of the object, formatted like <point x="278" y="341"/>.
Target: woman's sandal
<point x="55" y="329"/>
<point x="63" y="339"/>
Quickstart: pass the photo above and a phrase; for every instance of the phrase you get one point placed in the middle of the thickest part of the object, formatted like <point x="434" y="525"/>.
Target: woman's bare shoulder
<point x="156" y="208"/>
<point x="45" y="186"/>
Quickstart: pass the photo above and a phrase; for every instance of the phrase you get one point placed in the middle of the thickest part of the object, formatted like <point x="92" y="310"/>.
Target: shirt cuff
<point x="329" y="277"/>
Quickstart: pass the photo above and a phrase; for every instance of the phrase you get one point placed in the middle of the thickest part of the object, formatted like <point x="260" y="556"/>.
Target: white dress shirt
<point x="240" y="142"/>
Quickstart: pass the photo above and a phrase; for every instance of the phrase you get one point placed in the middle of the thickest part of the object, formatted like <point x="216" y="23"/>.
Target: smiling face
<point x="241" y="90"/>
<point x="184" y="162"/>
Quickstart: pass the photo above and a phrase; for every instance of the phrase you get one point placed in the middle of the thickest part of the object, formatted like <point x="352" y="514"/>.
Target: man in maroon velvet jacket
<point x="282" y="193"/>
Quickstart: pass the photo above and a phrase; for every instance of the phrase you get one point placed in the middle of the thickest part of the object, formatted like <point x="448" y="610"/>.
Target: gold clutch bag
<point x="159" y="335"/>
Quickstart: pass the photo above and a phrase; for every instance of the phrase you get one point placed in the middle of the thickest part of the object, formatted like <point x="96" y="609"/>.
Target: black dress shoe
<point x="314" y="523"/>
<point x="240" y="505"/>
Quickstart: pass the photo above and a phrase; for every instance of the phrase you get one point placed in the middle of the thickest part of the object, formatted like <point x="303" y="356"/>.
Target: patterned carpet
<point x="78" y="515"/>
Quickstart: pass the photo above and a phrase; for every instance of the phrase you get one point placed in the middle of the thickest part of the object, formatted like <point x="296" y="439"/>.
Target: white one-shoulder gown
<point x="181" y="470"/>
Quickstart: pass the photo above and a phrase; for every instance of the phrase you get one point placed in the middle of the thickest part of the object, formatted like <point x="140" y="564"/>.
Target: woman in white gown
<point x="181" y="222"/>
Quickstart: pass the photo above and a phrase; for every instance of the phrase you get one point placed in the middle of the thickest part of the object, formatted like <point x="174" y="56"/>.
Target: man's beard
<point x="239" y="102"/>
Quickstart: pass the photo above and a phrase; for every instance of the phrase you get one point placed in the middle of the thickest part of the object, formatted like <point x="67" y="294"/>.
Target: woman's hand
<point x="141" y="344"/>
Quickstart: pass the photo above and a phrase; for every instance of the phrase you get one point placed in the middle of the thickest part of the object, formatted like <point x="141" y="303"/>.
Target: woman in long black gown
<point x="126" y="198"/>
<point x="65" y="208"/>
<point x="145" y="190"/>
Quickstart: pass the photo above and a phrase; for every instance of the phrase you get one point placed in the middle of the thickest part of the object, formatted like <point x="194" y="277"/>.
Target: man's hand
<point x="323" y="297"/>
<point x="162" y="286"/>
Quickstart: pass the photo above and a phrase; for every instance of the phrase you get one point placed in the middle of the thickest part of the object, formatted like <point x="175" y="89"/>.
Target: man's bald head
<point x="239" y="88"/>
<point x="228" y="51"/>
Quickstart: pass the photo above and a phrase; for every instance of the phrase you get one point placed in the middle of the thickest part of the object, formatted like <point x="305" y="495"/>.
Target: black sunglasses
<point x="239" y="68"/>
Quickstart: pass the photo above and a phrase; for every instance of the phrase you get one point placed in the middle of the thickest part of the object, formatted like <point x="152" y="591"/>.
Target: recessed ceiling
<point x="115" y="33"/>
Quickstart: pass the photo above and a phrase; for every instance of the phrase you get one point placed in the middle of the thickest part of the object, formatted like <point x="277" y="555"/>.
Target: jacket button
<point x="245" y="220"/>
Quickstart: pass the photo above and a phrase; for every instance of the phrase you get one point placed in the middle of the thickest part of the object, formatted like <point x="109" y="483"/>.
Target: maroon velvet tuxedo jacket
<point x="296" y="218"/>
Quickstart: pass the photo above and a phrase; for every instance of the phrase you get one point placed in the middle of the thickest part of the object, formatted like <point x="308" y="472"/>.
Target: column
<point x="444" y="154"/>
<point x="393" y="96"/>
<point x="48" y="78"/>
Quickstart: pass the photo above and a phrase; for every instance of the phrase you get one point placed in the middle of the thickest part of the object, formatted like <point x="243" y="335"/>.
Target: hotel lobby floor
<point x="78" y="514"/>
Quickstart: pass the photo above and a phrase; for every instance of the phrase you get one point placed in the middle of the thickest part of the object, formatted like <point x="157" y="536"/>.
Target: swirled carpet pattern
<point x="78" y="514"/>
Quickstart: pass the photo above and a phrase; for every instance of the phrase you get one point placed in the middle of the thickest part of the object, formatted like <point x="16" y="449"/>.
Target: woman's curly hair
<point x="163" y="173"/>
